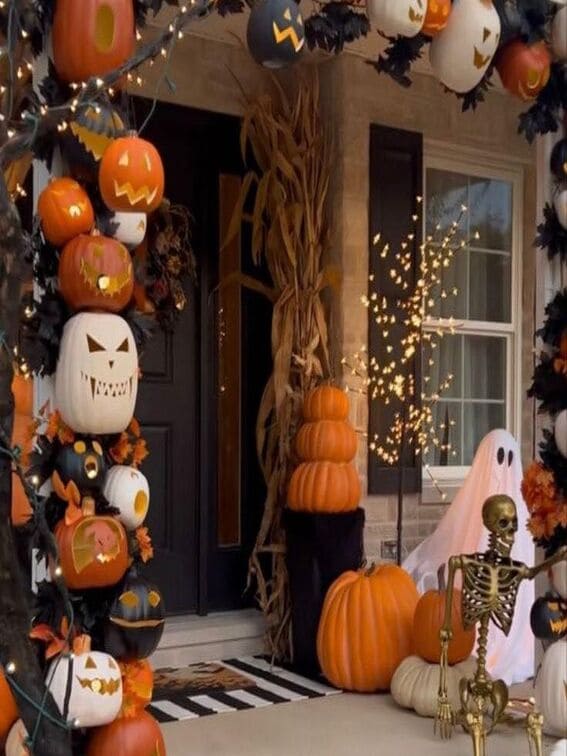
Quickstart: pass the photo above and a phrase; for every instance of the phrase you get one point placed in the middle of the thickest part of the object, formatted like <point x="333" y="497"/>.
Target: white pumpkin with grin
<point x="96" y="381"/>
<point x="397" y="17"/>
<point x="461" y="54"/>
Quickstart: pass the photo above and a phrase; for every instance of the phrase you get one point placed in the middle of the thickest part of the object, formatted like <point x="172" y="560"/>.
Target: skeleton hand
<point x="444" y="718"/>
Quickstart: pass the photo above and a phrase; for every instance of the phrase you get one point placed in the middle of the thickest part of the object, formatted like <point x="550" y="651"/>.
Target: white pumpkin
<point x="559" y="749"/>
<point x="558" y="578"/>
<point x="131" y="228"/>
<point x="415" y="684"/>
<point x="397" y="17"/>
<point x="95" y="681"/>
<point x="96" y="381"/>
<point x="560" y="432"/>
<point x="551" y="689"/>
<point x="559" y="34"/>
<point x="462" y="52"/>
<point x="127" y="489"/>
<point x="560" y="202"/>
<point x="15" y="742"/>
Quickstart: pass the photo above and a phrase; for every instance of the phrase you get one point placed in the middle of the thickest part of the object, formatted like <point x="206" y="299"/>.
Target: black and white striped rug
<point x="255" y="683"/>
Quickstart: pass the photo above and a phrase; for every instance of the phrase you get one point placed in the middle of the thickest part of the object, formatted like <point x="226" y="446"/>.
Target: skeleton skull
<point x="501" y="519"/>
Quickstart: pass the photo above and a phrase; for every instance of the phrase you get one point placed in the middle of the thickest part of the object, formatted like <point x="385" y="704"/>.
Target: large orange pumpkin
<point x="325" y="403"/>
<point x="366" y="627"/>
<point x="8" y="709"/>
<point x="326" y="440"/>
<point x="131" y="176"/>
<point x="22" y="390"/>
<point x="128" y="736"/>
<point x="96" y="272"/>
<point x="92" y="37"/>
<point x="137" y="686"/>
<point x="428" y="621"/>
<point x="65" y="211"/>
<point x="93" y="552"/>
<point x="436" y="17"/>
<point x="524" y="69"/>
<point x="324" y="487"/>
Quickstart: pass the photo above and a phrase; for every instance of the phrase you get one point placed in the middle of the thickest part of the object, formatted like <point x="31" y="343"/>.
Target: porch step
<point x="188" y="639"/>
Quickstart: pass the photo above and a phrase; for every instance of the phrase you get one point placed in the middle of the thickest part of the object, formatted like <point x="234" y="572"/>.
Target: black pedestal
<point x="320" y="547"/>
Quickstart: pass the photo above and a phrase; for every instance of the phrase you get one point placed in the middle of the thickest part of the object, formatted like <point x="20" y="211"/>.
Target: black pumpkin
<point x="135" y="624"/>
<point x="82" y="462"/>
<point x="276" y="32"/>
<point x="558" y="160"/>
<point x="548" y="618"/>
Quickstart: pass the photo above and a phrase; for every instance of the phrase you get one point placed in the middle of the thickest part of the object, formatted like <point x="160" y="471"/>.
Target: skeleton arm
<point x="559" y="556"/>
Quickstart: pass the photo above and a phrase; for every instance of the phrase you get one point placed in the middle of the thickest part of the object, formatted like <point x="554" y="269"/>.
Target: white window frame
<point x="473" y="162"/>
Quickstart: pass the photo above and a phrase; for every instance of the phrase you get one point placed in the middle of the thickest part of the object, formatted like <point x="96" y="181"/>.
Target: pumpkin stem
<point x="82" y="644"/>
<point x="441" y="578"/>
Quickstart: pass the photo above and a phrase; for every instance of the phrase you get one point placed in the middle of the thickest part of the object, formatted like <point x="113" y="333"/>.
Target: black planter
<point x="320" y="547"/>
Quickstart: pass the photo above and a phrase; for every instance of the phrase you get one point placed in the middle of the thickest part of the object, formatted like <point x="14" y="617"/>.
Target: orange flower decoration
<point x="144" y="544"/>
<point x="57" y="643"/>
<point x="56" y="428"/>
<point x="130" y="449"/>
<point x="134" y="428"/>
<point x="121" y="450"/>
<point x="137" y="685"/>
<point x="140" y="452"/>
<point x="547" y="508"/>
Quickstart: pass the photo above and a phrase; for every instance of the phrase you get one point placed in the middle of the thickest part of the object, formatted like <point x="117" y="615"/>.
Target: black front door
<point x="202" y="385"/>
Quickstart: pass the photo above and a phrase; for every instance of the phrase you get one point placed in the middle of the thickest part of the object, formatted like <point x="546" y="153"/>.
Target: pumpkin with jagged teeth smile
<point x="99" y="685"/>
<point x="131" y="175"/>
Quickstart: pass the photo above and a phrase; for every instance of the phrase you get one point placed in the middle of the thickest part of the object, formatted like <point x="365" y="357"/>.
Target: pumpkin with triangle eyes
<point x="397" y="17"/>
<point x="86" y="685"/>
<point x="548" y="618"/>
<point x="83" y="463"/>
<point x="436" y="17"/>
<point x="89" y="134"/>
<point x="524" y="69"/>
<point x="131" y="176"/>
<point x="129" y="736"/>
<point x="276" y="33"/>
<point x="65" y="211"/>
<point x="137" y="616"/>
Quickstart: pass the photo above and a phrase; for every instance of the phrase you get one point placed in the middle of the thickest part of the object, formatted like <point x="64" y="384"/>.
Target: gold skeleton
<point x="490" y="587"/>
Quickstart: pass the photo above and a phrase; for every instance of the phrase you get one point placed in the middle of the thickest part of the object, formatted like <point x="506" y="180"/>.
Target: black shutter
<point x="396" y="179"/>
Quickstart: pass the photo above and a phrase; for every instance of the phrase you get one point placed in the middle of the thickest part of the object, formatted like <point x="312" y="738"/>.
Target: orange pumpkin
<point x="137" y="686"/>
<point x="65" y="211"/>
<point x="93" y="552"/>
<point x="524" y="69"/>
<point x="96" y="272"/>
<point x="22" y="390"/>
<point x="366" y="627"/>
<point x="92" y="37"/>
<point x="8" y="709"/>
<point x="330" y="440"/>
<point x="428" y="621"/>
<point x="128" y="736"/>
<point x="131" y="175"/>
<point x="325" y="403"/>
<point x="436" y="17"/>
<point x="324" y="487"/>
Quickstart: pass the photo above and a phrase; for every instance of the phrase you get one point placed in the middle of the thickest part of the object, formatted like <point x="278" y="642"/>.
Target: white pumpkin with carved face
<point x="461" y="54"/>
<point x="131" y="228"/>
<point x="560" y="202"/>
<point x="96" y="381"/>
<point x="397" y="17"/>
<point x="559" y="34"/>
<point x="127" y="489"/>
<point x="87" y="688"/>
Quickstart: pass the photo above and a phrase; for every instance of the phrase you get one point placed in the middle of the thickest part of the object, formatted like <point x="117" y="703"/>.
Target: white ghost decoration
<point x="128" y="490"/>
<point x="96" y="381"/>
<point x="496" y="469"/>
<point x="461" y="53"/>
<point x="559" y="34"/>
<point x="397" y="17"/>
<point x="131" y="228"/>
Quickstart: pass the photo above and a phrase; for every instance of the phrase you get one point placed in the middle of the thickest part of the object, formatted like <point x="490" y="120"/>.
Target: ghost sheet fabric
<point x="496" y="469"/>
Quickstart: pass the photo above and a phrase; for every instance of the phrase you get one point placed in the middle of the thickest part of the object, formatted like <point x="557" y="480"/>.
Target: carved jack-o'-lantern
<point x="96" y="381"/>
<point x="86" y="686"/>
<point x="96" y="272"/>
<point x="65" y="211"/>
<point x="93" y="551"/>
<point x="136" y="620"/>
<point x="397" y="17"/>
<point x="461" y="54"/>
<point x="82" y="462"/>
<point x="127" y="489"/>
<point x="548" y="618"/>
<point x="92" y="37"/>
<point x="139" y="735"/>
<point x="275" y="33"/>
<point x="437" y="16"/>
<point x="131" y="175"/>
<point x="524" y="69"/>
<point x="88" y="136"/>
<point x="131" y="228"/>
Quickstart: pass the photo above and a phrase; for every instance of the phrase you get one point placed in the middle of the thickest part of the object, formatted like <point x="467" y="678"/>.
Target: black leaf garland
<point x="335" y="25"/>
<point x="551" y="235"/>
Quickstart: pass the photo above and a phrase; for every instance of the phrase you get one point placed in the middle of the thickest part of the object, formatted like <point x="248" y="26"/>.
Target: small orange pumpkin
<point x="366" y="626"/>
<point x="131" y="176"/>
<point x="65" y="211"/>
<point x="137" y="686"/>
<point x="428" y="621"/>
<point x="96" y="272"/>
<point x="524" y="69"/>
<point x="129" y="736"/>
<point x="325" y="403"/>
<point x="324" y="487"/>
<point x="8" y="709"/>
<point x="326" y="440"/>
<point x="436" y="17"/>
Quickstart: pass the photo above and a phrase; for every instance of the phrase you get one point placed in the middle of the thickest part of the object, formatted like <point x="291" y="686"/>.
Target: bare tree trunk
<point x="15" y="646"/>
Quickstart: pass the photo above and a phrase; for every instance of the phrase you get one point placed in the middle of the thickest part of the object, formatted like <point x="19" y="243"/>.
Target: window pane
<point x="445" y="193"/>
<point x="484" y="367"/>
<point x="490" y="286"/>
<point x="447" y="427"/>
<point x="447" y="360"/>
<point x="480" y="419"/>
<point x="455" y="276"/>
<point x="490" y="207"/>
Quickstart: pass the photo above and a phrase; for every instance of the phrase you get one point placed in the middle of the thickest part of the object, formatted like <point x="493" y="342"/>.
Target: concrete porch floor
<point x="344" y="725"/>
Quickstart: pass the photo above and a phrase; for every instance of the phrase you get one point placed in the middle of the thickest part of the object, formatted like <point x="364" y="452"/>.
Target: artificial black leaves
<point x="335" y="25"/>
<point x="399" y="56"/>
<point x="551" y="235"/>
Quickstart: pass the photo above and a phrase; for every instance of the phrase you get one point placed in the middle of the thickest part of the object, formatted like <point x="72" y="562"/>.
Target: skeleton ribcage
<point x="489" y="589"/>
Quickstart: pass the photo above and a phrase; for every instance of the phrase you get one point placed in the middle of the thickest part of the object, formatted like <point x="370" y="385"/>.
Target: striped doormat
<point x="230" y="685"/>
